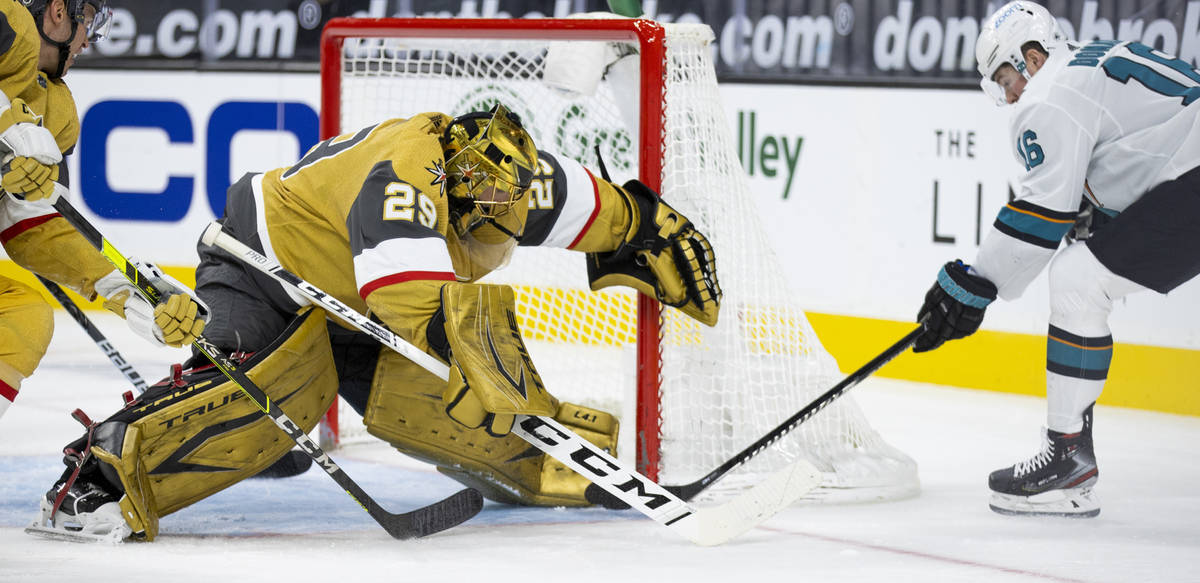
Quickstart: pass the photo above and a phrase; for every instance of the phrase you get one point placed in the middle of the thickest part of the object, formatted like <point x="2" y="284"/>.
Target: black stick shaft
<point x="688" y="491"/>
<point x="97" y="336"/>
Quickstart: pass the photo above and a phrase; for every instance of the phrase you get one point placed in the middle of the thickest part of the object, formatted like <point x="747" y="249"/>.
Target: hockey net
<point x="645" y="96"/>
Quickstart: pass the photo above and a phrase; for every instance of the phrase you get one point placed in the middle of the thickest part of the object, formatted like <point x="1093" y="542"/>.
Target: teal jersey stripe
<point x="1067" y="355"/>
<point x="1033" y="225"/>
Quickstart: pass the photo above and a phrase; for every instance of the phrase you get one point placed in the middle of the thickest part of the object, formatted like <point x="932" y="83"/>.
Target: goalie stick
<point x="690" y="490"/>
<point x="293" y="463"/>
<point x="426" y="520"/>
<point x="703" y="526"/>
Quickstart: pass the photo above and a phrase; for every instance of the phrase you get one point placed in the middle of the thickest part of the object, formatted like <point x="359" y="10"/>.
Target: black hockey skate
<point x="86" y="512"/>
<point x="82" y="506"/>
<point x="1056" y="482"/>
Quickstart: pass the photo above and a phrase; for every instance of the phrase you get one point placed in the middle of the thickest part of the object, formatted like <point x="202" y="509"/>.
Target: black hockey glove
<point x="954" y="306"/>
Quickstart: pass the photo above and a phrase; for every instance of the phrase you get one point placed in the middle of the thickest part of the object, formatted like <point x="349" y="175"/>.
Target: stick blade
<point x="439" y="516"/>
<point x="718" y="524"/>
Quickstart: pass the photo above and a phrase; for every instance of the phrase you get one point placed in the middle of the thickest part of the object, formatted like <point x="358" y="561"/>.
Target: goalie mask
<point x="1002" y="36"/>
<point x="490" y="161"/>
<point x="94" y="24"/>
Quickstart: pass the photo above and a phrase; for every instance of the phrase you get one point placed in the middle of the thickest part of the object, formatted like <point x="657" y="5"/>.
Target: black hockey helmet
<point x="95" y="30"/>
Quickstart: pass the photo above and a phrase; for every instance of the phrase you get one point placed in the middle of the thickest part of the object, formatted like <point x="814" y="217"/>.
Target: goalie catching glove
<point x="492" y="377"/>
<point x="954" y="306"/>
<point x="176" y="321"/>
<point x="663" y="256"/>
<point x="31" y="173"/>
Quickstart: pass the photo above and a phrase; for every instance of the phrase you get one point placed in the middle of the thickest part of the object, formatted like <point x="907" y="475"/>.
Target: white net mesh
<point x="722" y="388"/>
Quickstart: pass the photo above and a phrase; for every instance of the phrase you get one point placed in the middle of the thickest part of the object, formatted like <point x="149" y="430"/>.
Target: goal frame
<point x="650" y="37"/>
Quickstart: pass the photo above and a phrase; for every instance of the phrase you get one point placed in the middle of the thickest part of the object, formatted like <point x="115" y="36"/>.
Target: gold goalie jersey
<point x="365" y="217"/>
<point x="33" y="234"/>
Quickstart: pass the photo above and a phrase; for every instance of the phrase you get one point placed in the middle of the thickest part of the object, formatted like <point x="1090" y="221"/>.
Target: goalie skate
<point x="1057" y="481"/>
<point x="87" y="514"/>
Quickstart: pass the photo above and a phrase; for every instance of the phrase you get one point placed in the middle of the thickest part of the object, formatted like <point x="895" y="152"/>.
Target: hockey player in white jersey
<point x="1107" y="135"/>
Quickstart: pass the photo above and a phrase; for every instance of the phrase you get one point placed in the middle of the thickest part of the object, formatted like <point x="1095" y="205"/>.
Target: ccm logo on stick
<point x="588" y="459"/>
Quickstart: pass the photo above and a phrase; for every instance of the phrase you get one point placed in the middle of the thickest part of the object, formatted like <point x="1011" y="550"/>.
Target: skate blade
<point x="1071" y="503"/>
<point x="108" y="532"/>
<point x="115" y="536"/>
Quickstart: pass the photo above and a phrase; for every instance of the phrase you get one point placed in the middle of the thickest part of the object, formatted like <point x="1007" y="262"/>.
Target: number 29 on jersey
<point x="402" y="202"/>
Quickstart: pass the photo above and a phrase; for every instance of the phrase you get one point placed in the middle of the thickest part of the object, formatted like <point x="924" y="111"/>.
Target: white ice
<point x="306" y="529"/>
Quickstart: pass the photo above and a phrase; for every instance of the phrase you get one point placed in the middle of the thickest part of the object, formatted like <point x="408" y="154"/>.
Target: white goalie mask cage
<point x="1002" y="36"/>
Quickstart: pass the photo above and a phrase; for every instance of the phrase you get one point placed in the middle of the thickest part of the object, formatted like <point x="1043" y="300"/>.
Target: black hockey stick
<point x="704" y="526"/>
<point x="420" y="522"/>
<point x="98" y="337"/>
<point x="689" y="491"/>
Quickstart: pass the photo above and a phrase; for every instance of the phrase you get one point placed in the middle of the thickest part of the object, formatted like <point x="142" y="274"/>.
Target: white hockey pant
<point x="1082" y="292"/>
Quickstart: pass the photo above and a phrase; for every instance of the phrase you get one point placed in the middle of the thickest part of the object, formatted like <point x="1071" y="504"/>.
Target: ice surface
<point x="306" y="529"/>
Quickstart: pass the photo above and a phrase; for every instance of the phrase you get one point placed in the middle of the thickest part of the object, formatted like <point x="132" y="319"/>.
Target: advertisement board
<point x="158" y="149"/>
<point x="889" y="42"/>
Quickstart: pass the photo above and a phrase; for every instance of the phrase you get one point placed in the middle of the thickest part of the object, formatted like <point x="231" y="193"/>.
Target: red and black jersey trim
<point x="21" y="226"/>
<point x="396" y="278"/>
